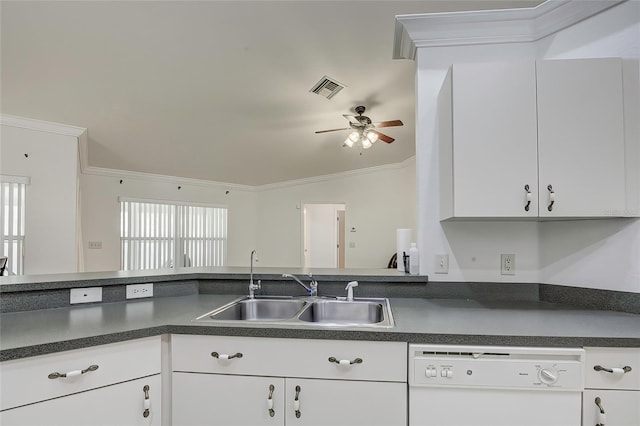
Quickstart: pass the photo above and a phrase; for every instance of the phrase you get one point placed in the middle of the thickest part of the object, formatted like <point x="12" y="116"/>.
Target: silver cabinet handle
<point x="73" y="373"/>
<point x="552" y="197"/>
<point x="528" y="198"/>
<point x="147" y="402"/>
<point x="345" y="361"/>
<point x="270" y="401"/>
<point x="225" y="356"/>
<point x="601" y="416"/>
<point x="296" y="402"/>
<point x="625" y="369"/>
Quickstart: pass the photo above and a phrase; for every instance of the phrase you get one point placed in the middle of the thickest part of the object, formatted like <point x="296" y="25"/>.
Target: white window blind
<point x="160" y="235"/>
<point x="12" y="220"/>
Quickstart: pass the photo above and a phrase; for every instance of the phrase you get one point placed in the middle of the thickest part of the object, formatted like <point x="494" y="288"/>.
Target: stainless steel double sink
<point x="360" y="312"/>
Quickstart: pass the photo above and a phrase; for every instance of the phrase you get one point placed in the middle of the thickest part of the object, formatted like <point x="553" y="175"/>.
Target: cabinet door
<point x="116" y="405"/>
<point x="494" y="139"/>
<point x="621" y="408"/>
<point x="202" y="399"/>
<point x="343" y="402"/>
<point x="581" y="137"/>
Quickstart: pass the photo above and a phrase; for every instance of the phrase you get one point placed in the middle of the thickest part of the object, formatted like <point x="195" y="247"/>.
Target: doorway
<point x="324" y="235"/>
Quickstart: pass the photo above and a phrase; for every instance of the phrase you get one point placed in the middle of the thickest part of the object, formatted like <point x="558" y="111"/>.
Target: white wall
<point x="377" y="203"/>
<point x="571" y="253"/>
<point x="101" y="212"/>
<point x="51" y="196"/>
<point x="264" y="218"/>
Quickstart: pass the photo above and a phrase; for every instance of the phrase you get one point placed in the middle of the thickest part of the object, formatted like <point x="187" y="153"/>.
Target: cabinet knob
<point x="296" y="402"/>
<point x="552" y="197"/>
<point x="73" y="373"/>
<point x="147" y="402"/>
<point x="601" y="415"/>
<point x="615" y="370"/>
<point x="527" y="197"/>
<point x="345" y="361"/>
<point x="270" y="401"/>
<point x="226" y="356"/>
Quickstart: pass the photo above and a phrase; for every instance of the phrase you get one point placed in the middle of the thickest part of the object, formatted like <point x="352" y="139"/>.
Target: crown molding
<point x="490" y="26"/>
<point x="333" y="176"/>
<point x="43" y="126"/>
<point x="127" y="174"/>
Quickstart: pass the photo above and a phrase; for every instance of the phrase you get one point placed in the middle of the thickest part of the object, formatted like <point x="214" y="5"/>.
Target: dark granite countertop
<point x="418" y="320"/>
<point x="88" y="279"/>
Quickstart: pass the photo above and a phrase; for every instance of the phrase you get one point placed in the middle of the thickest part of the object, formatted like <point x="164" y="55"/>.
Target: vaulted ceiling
<point x="215" y="90"/>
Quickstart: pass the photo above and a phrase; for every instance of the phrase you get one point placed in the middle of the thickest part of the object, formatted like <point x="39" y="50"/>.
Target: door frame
<point x="303" y="229"/>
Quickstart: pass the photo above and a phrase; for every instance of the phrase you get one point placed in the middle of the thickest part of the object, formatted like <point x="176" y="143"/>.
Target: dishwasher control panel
<point x="496" y="366"/>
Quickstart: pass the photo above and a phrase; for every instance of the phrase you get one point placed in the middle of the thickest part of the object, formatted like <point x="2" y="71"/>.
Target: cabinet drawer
<point x="27" y="380"/>
<point x="621" y="407"/>
<point x="381" y="361"/>
<point x="612" y="358"/>
<point x="121" y="404"/>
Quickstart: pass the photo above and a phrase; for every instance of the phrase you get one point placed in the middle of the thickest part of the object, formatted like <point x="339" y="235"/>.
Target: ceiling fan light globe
<point x="354" y="136"/>
<point x="348" y="142"/>
<point x="366" y="143"/>
<point x="372" y="136"/>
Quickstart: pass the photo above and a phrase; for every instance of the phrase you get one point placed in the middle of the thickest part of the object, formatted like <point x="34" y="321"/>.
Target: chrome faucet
<point x="252" y="286"/>
<point x="312" y="290"/>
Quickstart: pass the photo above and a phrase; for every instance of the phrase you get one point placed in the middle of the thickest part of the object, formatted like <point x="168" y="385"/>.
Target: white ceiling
<point x="215" y="90"/>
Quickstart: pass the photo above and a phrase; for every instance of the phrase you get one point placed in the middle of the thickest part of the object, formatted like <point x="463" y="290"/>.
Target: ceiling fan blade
<point x="332" y="130"/>
<point x="391" y="123"/>
<point x="351" y="118"/>
<point x="383" y="137"/>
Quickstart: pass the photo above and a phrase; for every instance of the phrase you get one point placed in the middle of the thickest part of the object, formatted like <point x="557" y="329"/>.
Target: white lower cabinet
<point x="237" y="381"/>
<point x="218" y="399"/>
<point x="612" y="382"/>
<point x="344" y="402"/>
<point x="122" y="404"/>
<point x="621" y="408"/>
<point x="117" y="384"/>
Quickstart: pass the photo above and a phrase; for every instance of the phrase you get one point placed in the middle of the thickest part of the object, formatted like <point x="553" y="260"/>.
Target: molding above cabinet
<point x="490" y="26"/>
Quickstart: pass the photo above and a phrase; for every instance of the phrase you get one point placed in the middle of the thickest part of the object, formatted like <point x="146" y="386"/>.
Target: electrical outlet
<point x="137" y="291"/>
<point x="85" y="295"/>
<point x="95" y="244"/>
<point x="508" y="264"/>
<point x="442" y="264"/>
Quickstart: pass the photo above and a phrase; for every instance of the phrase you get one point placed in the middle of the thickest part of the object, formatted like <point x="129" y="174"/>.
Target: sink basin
<point x="257" y="310"/>
<point x="363" y="312"/>
<point x="343" y="312"/>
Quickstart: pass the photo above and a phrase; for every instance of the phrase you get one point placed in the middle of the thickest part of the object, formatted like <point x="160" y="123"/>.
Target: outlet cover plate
<point x="507" y="264"/>
<point x="138" y="291"/>
<point x="85" y="295"/>
<point x="442" y="264"/>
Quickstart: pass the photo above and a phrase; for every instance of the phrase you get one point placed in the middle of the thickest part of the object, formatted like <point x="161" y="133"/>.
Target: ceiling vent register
<point x="327" y="87"/>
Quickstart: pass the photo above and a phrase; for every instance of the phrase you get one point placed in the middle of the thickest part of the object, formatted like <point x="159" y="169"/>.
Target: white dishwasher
<point x="495" y="385"/>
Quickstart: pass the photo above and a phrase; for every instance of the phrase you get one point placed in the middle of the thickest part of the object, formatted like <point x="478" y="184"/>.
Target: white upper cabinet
<point x="516" y="136"/>
<point x="581" y="137"/>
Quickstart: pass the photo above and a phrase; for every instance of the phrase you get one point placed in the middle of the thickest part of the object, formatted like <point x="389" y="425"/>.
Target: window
<point x="160" y="235"/>
<point x="12" y="221"/>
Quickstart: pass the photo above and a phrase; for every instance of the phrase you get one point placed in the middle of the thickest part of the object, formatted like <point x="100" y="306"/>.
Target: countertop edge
<point x="61" y="281"/>
<point x="325" y="334"/>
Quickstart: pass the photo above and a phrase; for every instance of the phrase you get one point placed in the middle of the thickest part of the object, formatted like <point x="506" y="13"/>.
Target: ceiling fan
<point x="363" y="129"/>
